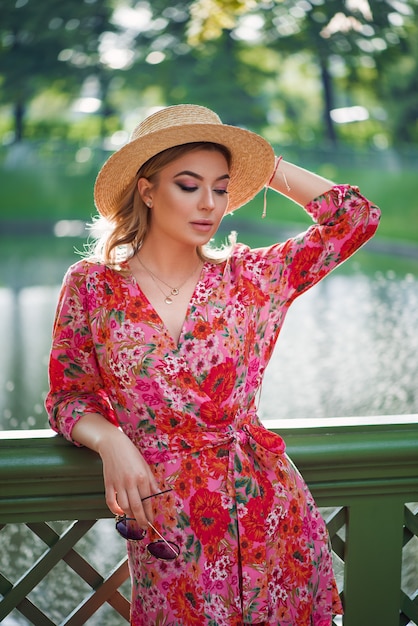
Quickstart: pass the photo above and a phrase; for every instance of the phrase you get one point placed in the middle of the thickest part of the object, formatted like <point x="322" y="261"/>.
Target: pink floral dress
<point x="253" y="546"/>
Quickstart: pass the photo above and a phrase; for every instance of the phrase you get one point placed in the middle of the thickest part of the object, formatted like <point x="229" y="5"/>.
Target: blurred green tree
<point x="396" y="80"/>
<point x="344" y="36"/>
<point x="173" y="70"/>
<point x="258" y="63"/>
<point x="44" y="43"/>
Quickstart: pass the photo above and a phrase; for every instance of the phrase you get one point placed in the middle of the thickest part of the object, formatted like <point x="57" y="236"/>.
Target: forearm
<point x="298" y="184"/>
<point x="93" y="431"/>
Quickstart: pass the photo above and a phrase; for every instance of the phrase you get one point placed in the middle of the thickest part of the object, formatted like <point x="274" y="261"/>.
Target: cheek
<point x="170" y="214"/>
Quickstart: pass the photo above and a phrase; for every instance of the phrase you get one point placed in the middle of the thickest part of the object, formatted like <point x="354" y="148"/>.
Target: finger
<point x="112" y="502"/>
<point x="140" y="501"/>
<point x="130" y="499"/>
<point x="148" y="510"/>
<point x="137" y="510"/>
<point x="155" y="487"/>
<point x="149" y="503"/>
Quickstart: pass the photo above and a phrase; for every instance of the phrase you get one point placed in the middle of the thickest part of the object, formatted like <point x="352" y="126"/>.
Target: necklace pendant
<point x="168" y="300"/>
<point x="175" y="291"/>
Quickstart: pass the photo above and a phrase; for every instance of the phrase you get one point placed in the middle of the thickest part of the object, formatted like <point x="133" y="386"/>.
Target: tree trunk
<point x="19" y="113"/>
<point x="328" y="101"/>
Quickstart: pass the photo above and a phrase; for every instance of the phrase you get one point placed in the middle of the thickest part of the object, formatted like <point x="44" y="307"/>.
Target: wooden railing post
<point x="374" y="561"/>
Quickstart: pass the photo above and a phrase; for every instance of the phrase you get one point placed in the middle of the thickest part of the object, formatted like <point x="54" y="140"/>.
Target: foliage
<point x="347" y="38"/>
<point x="397" y="86"/>
<point x="209" y="18"/>
<point x="48" y="43"/>
<point x="277" y="66"/>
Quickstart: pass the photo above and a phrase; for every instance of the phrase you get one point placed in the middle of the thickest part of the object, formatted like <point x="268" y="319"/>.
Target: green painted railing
<point x="364" y="472"/>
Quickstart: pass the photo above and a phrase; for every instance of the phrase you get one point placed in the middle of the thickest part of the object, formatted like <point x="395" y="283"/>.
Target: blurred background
<point x="332" y="84"/>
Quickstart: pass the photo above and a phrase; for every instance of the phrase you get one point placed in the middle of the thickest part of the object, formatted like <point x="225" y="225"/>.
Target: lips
<point x="202" y="225"/>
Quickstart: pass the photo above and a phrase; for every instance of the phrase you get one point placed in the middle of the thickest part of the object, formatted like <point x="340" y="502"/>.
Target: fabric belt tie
<point x="161" y="448"/>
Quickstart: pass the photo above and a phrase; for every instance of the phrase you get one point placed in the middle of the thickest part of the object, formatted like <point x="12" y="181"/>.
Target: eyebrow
<point x="190" y="173"/>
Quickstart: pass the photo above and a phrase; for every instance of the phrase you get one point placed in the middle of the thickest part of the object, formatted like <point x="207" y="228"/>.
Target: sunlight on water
<point x="25" y="338"/>
<point x="348" y="348"/>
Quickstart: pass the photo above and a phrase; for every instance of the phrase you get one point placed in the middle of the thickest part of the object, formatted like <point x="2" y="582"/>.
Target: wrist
<point x="108" y="438"/>
<point x="94" y="431"/>
<point x="273" y="177"/>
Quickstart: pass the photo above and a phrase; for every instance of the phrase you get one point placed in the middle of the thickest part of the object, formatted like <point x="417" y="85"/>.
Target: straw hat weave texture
<point x="252" y="156"/>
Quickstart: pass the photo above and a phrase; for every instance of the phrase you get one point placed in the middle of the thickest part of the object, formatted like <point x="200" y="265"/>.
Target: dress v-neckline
<point x="176" y="342"/>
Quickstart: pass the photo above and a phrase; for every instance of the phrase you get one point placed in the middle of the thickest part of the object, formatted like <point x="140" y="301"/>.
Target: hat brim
<point x="252" y="162"/>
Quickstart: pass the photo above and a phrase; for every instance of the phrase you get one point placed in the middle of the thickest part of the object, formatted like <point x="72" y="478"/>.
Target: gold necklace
<point x="174" y="291"/>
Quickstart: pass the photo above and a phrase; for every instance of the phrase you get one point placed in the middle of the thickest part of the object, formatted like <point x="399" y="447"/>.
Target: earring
<point x="149" y="204"/>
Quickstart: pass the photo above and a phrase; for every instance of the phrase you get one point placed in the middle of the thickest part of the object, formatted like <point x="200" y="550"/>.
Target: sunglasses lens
<point x="129" y="529"/>
<point x="164" y="551"/>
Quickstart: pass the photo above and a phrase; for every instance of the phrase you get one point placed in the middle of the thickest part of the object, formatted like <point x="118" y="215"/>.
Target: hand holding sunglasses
<point x="130" y="530"/>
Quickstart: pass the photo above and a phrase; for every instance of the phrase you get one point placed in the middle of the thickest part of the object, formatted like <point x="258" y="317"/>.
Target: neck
<point x="174" y="281"/>
<point x="173" y="261"/>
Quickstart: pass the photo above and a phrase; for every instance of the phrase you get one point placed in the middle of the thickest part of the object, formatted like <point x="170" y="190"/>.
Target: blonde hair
<point x="118" y="238"/>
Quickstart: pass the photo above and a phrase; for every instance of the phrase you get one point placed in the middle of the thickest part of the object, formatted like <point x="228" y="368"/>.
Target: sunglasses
<point x="129" y="529"/>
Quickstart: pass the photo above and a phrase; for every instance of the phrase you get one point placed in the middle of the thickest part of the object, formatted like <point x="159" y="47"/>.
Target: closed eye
<point x="186" y="188"/>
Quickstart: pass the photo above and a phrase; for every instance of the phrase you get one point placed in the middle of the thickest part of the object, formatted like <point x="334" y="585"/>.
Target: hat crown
<point x="177" y="115"/>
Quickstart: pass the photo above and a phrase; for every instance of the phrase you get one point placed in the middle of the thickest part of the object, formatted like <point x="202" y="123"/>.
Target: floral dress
<point x="253" y="546"/>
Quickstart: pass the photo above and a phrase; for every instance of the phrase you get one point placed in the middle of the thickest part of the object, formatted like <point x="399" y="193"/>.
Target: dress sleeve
<point x="75" y="382"/>
<point x="344" y="221"/>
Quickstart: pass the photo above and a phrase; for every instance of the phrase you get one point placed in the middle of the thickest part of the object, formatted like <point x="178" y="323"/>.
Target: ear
<point x="145" y="191"/>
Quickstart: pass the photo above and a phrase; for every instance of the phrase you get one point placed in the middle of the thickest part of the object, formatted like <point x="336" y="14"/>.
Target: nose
<point x="207" y="199"/>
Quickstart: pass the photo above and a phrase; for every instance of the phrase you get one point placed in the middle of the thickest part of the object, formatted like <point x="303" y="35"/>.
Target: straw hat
<point x="252" y="160"/>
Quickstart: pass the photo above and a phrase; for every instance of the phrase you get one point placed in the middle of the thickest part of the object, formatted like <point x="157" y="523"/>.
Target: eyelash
<point x="221" y="192"/>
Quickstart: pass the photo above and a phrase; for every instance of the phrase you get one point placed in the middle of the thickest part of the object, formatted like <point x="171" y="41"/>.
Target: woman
<point x="159" y="349"/>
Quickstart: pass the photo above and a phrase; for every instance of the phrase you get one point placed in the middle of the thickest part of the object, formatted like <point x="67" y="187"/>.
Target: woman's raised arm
<point x="296" y="183"/>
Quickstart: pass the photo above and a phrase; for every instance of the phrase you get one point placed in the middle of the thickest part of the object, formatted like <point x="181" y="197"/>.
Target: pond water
<point x="349" y="347"/>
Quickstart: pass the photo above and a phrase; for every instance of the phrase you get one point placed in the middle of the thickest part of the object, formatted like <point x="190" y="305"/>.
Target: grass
<point x="47" y="194"/>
